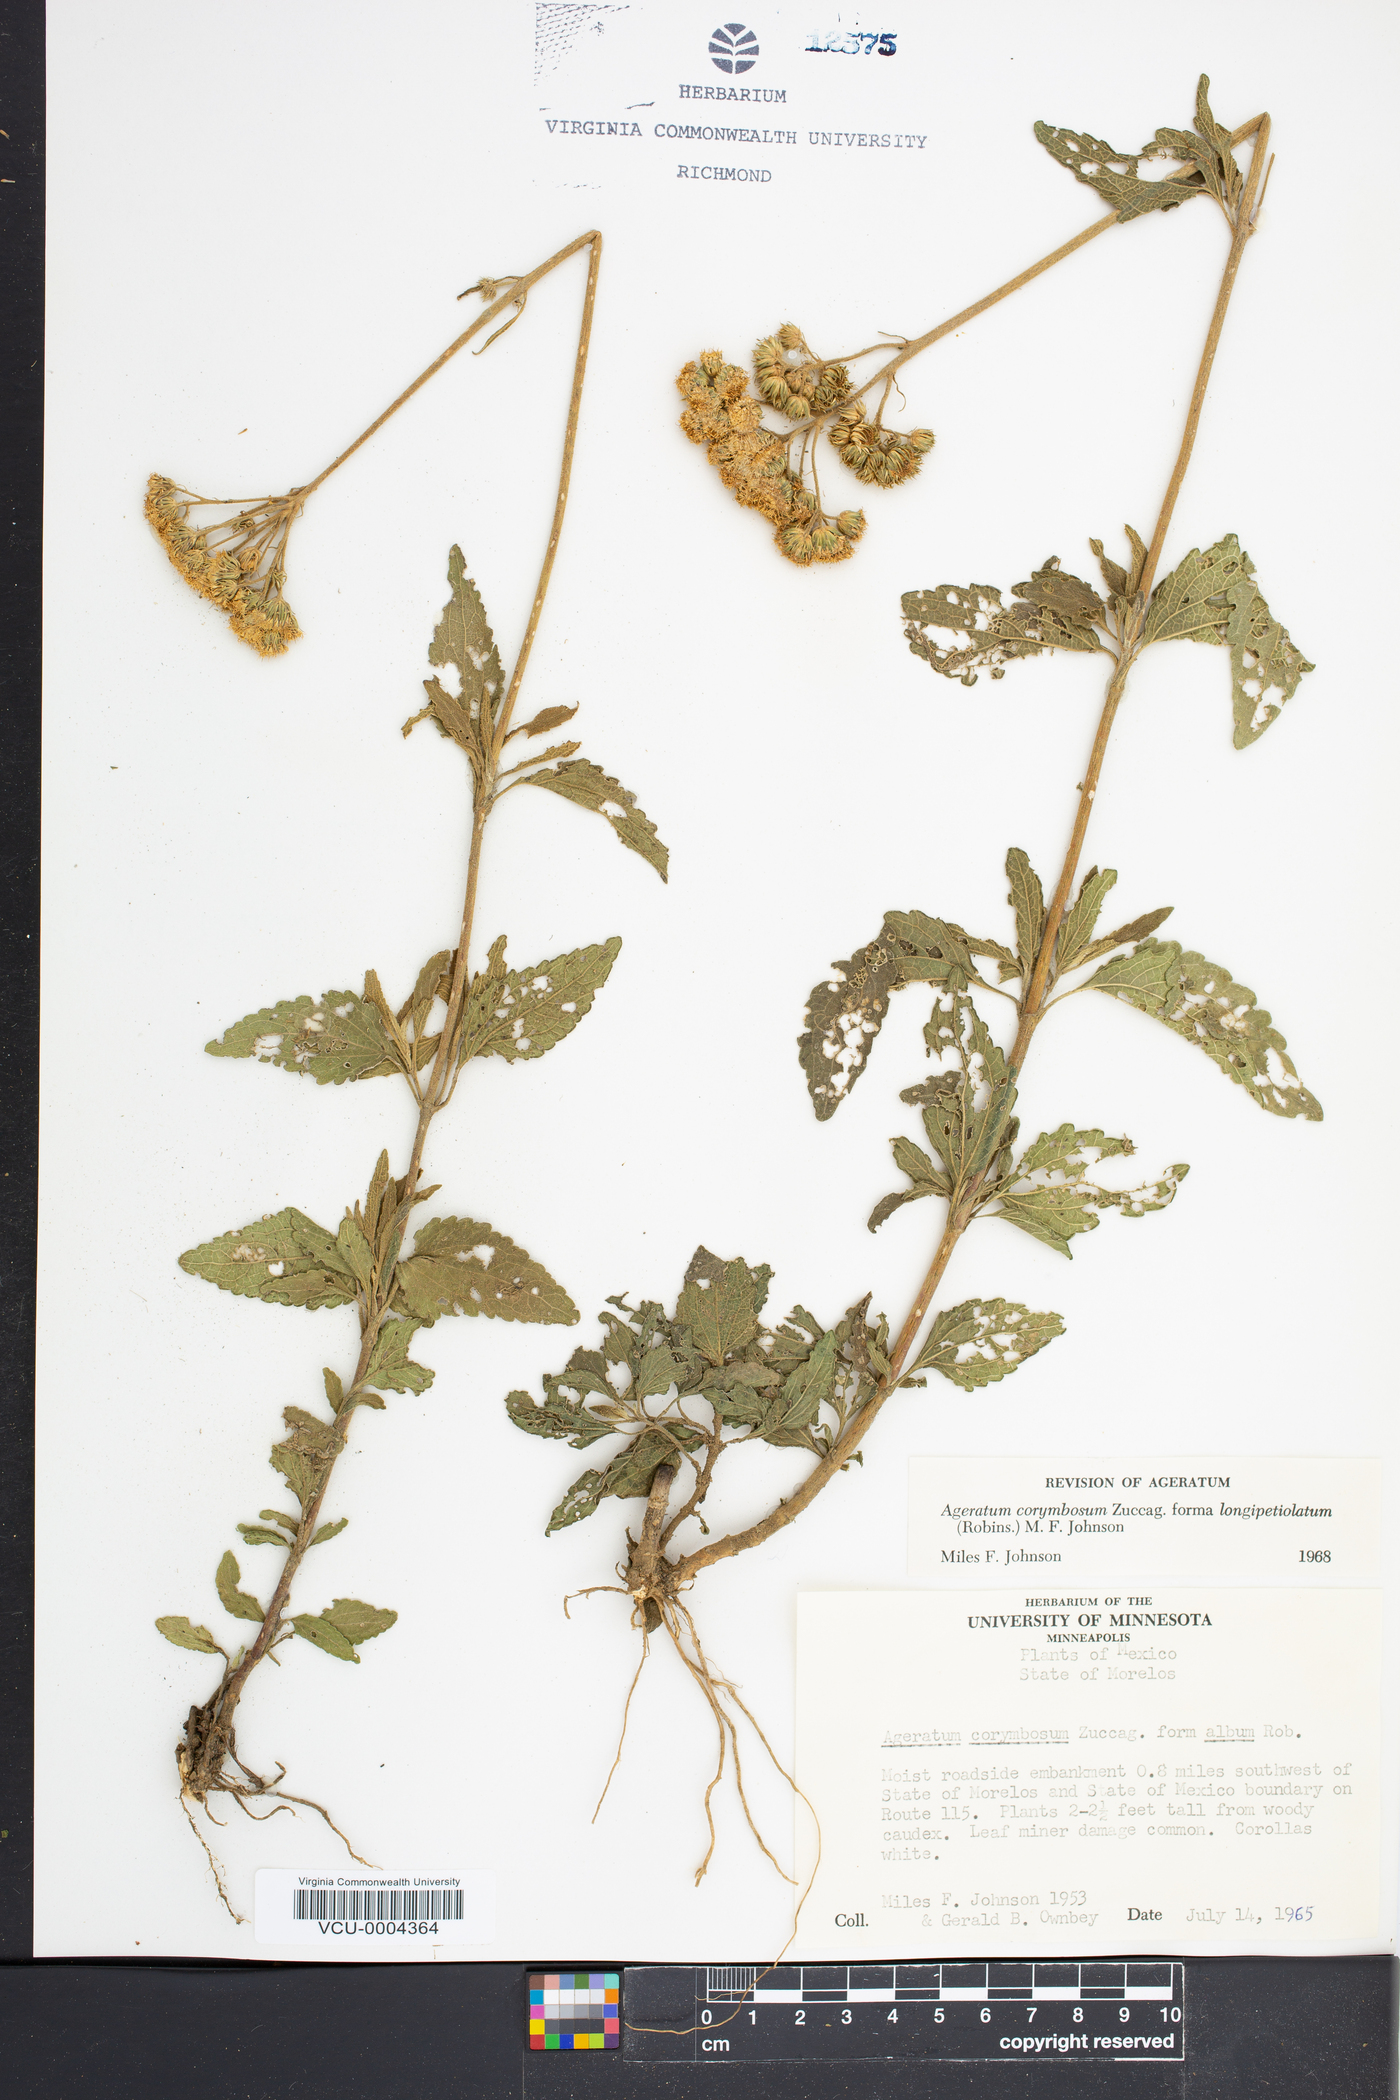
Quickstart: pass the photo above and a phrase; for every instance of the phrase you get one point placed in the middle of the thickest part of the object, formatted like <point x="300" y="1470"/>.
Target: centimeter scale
<point x="1098" y="2011"/>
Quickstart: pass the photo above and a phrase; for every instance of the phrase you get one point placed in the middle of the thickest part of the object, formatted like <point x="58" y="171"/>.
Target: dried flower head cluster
<point x="237" y="563"/>
<point x="722" y="415"/>
<point x="761" y="466"/>
<point x="794" y="379"/>
<point x="881" y="457"/>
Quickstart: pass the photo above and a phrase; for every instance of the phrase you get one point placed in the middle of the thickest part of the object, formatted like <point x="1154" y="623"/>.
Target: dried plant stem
<point x="208" y="1748"/>
<point x="919" y="344"/>
<point x="674" y="1574"/>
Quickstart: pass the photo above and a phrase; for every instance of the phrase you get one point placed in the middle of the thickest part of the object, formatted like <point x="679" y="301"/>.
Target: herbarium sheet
<point x="1093" y="1656"/>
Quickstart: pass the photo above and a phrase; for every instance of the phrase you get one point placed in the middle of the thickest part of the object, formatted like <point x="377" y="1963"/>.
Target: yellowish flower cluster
<point x="801" y="384"/>
<point x="236" y="564"/>
<point x="722" y="415"/>
<point x="880" y="457"/>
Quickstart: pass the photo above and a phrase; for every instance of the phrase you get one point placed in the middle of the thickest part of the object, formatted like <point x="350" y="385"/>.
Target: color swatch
<point x="575" y="2009"/>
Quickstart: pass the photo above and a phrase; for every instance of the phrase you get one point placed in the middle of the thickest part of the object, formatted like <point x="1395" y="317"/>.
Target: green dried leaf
<point x="285" y="1259"/>
<point x="719" y="1305"/>
<point x="356" y="1253"/>
<point x="1047" y="1194"/>
<point x="302" y="1475"/>
<point x="844" y="1014"/>
<point x="458" y="1265"/>
<point x="357" y="1621"/>
<point x="559" y="1417"/>
<point x="275" y="1516"/>
<point x="805" y="1390"/>
<point x="1115" y="175"/>
<point x="523" y="1013"/>
<point x="463" y="640"/>
<point x="925" y="1177"/>
<point x="1209" y="149"/>
<point x="579" y="780"/>
<point x="262" y="1535"/>
<point x="181" y="1634"/>
<point x="1054" y="611"/>
<point x="966" y="1111"/>
<point x="337" y="1037"/>
<point x="1200" y="1001"/>
<point x="1078" y="923"/>
<point x="389" y="1364"/>
<point x="1027" y="899"/>
<point x="1135" y="930"/>
<point x="630" y="1474"/>
<point x="232" y="1598"/>
<point x="324" y="1636"/>
<point x="985" y="1339"/>
<point x="329" y="1531"/>
<point x="1210" y="597"/>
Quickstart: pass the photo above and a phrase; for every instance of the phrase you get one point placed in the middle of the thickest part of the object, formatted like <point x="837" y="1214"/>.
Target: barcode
<point x="376" y="1906"/>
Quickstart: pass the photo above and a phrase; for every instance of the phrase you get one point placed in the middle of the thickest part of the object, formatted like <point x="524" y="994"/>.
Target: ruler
<point x="1012" y="2011"/>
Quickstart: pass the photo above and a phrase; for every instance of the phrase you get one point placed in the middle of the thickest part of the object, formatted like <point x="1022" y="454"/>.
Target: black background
<point x="243" y="2031"/>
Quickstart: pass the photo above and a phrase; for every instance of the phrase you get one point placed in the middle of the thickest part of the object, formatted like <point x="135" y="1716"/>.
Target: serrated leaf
<point x="261" y="1535"/>
<point x="358" y="1621"/>
<point x="630" y="1474"/>
<point x="1211" y="597"/>
<point x="925" y="1177"/>
<point x="232" y="1598"/>
<point x="1027" y="900"/>
<point x="301" y="1474"/>
<point x="1209" y="149"/>
<point x="523" y="1013"/>
<point x="1200" y="1001"/>
<point x="321" y="1634"/>
<point x="284" y="1259"/>
<point x="579" y="780"/>
<point x="460" y="1266"/>
<point x="845" y="1012"/>
<point x="1048" y="1193"/>
<point x="965" y="1109"/>
<point x="985" y="1339"/>
<point x="1115" y="175"/>
<point x="558" y="1417"/>
<point x="389" y="1364"/>
<point x="329" y="1531"/>
<point x="720" y="1309"/>
<point x="182" y="1634"/>
<point x="1077" y="926"/>
<point x="1055" y="611"/>
<point x="337" y="1037"/>
<point x="1135" y="930"/>
<point x="463" y="640"/>
<point x="805" y="1389"/>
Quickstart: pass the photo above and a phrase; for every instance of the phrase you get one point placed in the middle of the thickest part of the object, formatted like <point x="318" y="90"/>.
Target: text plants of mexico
<point x="397" y="1272"/>
<point x="689" y="1387"/>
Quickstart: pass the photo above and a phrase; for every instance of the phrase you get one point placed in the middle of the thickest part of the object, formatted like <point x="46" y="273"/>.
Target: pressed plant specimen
<point x="454" y="1265"/>
<point x="777" y="471"/>
<point x="686" y="1388"/>
<point x="236" y="557"/>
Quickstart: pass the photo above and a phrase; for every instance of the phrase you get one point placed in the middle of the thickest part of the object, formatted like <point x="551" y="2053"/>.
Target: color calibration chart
<point x="574" y="2009"/>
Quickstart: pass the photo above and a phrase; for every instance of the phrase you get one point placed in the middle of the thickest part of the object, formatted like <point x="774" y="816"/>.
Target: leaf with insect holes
<point x="232" y="1598"/>
<point x="630" y="1474"/>
<point x="523" y="1013"/>
<point x="1200" y="1001"/>
<point x="462" y="641"/>
<point x="720" y="1310"/>
<point x="181" y="1634"/>
<point x="390" y="1366"/>
<point x="1047" y="1194"/>
<point x="845" y="1012"/>
<point x="966" y="1110"/>
<point x="1053" y="610"/>
<point x="337" y="1037"/>
<point x="579" y="780"/>
<point x="976" y="1343"/>
<point x="460" y="1266"/>
<point x="1210" y="596"/>
<point x="284" y="1259"/>
<point x="1115" y="175"/>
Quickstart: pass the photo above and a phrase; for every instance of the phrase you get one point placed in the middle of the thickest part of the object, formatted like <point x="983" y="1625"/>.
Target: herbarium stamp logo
<point x="733" y="48"/>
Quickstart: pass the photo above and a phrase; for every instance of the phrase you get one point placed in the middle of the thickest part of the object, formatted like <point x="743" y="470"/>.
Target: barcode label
<point x="411" y="1904"/>
<point x="358" y="1915"/>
